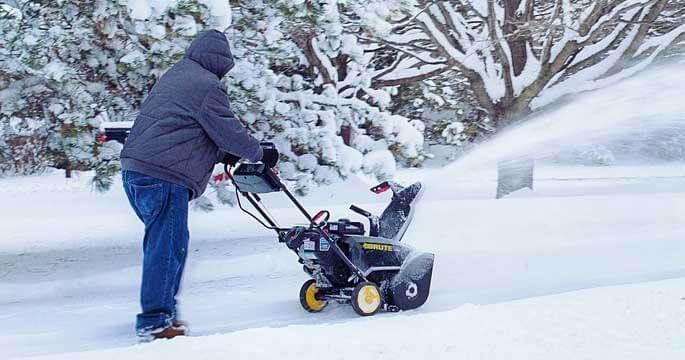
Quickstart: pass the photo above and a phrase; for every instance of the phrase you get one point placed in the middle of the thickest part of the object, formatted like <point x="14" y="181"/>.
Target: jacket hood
<point x="210" y="49"/>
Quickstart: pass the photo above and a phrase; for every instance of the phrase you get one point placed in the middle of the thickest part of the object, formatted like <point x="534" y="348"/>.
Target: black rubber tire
<point x="303" y="297"/>
<point x="355" y="298"/>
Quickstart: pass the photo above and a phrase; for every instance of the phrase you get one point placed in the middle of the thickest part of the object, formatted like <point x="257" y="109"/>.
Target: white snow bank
<point x="641" y="321"/>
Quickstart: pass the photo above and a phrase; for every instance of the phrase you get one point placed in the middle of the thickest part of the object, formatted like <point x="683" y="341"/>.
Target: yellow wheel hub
<point x="371" y="295"/>
<point x="368" y="299"/>
<point x="310" y="297"/>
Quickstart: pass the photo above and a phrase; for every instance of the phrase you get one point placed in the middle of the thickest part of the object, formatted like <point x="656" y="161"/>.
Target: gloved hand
<point x="270" y="154"/>
<point x="230" y="159"/>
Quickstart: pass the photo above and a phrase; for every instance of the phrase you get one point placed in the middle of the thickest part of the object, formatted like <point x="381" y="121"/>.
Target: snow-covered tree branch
<point x="520" y="55"/>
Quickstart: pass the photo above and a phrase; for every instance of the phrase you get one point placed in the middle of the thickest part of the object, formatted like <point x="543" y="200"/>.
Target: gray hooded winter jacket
<point x="186" y="124"/>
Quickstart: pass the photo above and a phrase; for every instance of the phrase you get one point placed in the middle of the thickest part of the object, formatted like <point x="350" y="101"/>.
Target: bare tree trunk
<point x="517" y="41"/>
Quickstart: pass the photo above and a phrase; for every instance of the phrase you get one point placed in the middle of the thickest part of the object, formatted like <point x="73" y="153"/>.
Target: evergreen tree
<point x="302" y="79"/>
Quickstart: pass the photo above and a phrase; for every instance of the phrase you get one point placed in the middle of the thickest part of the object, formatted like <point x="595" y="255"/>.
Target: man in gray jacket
<point x="184" y="128"/>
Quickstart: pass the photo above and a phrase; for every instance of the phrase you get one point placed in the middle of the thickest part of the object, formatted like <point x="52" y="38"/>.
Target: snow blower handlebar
<point x="252" y="179"/>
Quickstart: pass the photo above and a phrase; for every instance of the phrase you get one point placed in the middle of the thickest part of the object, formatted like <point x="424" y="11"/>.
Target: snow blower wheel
<point x="366" y="299"/>
<point x="308" y="297"/>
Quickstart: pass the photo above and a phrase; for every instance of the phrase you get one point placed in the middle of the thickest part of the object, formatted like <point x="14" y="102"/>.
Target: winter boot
<point x="170" y="332"/>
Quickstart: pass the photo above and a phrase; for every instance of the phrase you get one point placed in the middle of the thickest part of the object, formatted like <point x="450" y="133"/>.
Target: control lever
<point x="381" y="188"/>
<point x="387" y="185"/>
<point x="323" y="214"/>
<point x="374" y="222"/>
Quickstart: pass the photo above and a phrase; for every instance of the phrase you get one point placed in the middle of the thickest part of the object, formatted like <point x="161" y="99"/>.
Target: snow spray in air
<point x="629" y="116"/>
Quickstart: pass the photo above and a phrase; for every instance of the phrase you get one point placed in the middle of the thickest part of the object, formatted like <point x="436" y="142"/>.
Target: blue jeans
<point x="163" y="208"/>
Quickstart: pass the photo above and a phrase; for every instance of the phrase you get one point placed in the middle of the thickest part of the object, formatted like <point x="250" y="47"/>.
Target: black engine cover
<point x="345" y="227"/>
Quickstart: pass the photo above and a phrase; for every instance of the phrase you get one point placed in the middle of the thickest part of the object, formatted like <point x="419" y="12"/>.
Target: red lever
<point x="322" y="213"/>
<point x="381" y="188"/>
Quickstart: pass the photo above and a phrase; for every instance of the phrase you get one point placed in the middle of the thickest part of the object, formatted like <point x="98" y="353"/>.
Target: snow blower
<point x="372" y="272"/>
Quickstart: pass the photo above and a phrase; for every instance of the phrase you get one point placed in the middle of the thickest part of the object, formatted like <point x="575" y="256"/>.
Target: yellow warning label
<point x="379" y="247"/>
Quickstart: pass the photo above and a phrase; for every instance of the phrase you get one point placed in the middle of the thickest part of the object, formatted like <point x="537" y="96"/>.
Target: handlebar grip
<point x="360" y="211"/>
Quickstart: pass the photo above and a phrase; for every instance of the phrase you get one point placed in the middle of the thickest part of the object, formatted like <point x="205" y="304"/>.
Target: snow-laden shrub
<point x="454" y="133"/>
<point x="56" y="88"/>
<point x="301" y="80"/>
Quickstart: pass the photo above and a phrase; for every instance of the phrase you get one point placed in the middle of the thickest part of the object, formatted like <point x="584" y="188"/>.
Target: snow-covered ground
<point x="641" y="321"/>
<point x="70" y="268"/>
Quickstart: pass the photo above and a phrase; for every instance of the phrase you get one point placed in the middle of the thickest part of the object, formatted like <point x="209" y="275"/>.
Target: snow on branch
<point x="660" y="43"/>
<point x="519" y="55"/>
